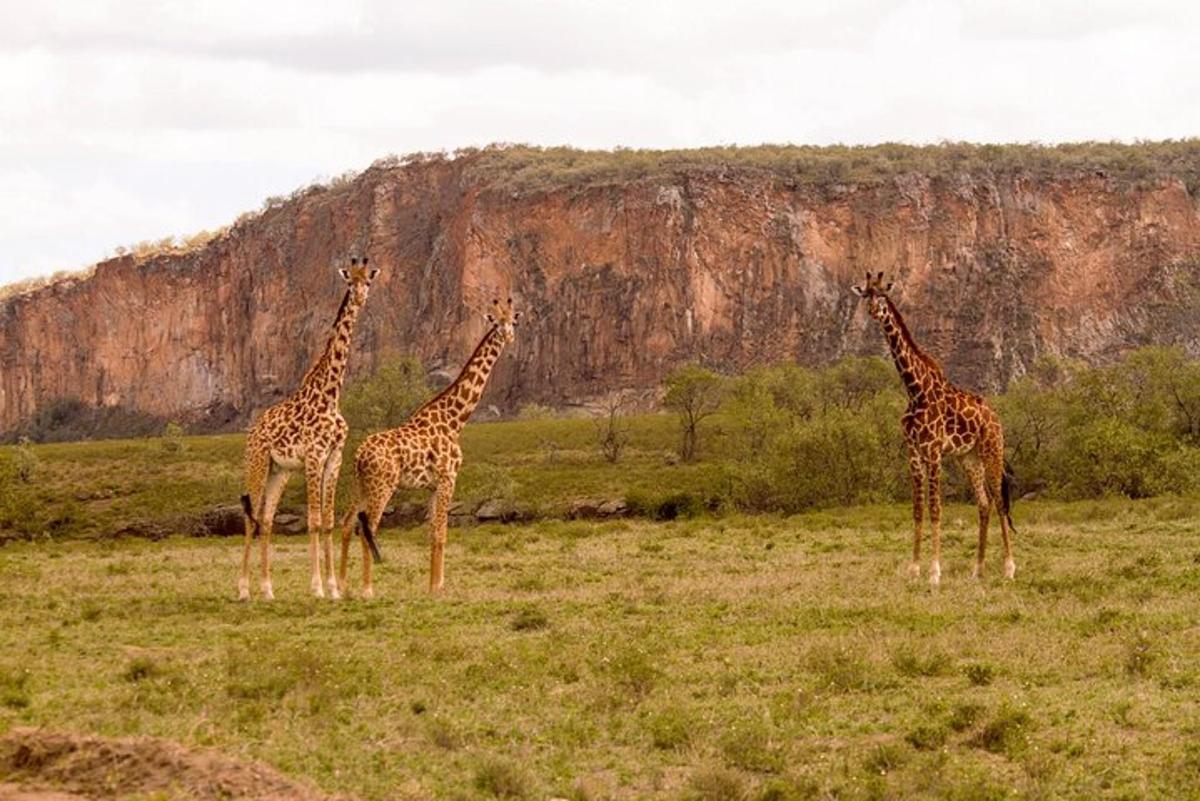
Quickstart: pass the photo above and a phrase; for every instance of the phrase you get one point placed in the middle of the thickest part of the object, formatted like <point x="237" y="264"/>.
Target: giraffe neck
<point x="455" y="403"/>
<point x="323" y="381"/>
<point x="919" y="372"/>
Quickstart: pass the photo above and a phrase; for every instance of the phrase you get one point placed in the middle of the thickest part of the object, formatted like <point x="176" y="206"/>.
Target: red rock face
<point x="620" y="282"/>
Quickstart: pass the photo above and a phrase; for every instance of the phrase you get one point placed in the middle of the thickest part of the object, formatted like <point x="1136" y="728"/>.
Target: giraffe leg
<point x="258" y="465"/>
<point x="973" y="467"/>
<point x="916" y="469"/>
<point x="374" y="515"/>
<point x="348" y="524"/>
<point x="329" y="489"/>
<point x="271" y="495"/>
<point x="934" y="466"/>
<point x="439" y="511"/>
<point x="995" y="482"/>
<point x="314" y="479"/>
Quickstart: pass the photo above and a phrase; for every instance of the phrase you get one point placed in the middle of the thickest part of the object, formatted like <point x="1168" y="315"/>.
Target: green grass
<point x="95" y="489"/>
<point x="740" y="657"/>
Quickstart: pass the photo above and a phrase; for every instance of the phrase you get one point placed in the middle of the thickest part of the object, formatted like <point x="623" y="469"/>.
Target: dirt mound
<point x="43" y="766"/>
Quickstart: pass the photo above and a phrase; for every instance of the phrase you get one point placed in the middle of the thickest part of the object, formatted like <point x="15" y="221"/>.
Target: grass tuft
<point x="530" y="619"/>
<point x="500" y="778"/>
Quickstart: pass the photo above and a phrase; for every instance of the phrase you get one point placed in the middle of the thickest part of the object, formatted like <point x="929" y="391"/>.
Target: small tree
<point x="612" y="432"/>
<point x="26" y="460"/>
<point x="172" y="438"/>
<point x="694" y="393"/>
<point x="386" y="398"/>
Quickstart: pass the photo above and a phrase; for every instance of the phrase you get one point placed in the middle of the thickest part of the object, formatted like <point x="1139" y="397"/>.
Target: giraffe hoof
<point x="243" y="591"/>
<point x="1010" y="569"/>
<point x="977" y="572"/>
<point x="368" y="593"/>
<point x="334" y="592"/>
<point x="914" y="571"/>
<point x="268" y="594"/>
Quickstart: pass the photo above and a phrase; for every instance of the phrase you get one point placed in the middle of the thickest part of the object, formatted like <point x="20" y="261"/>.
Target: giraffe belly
<point x="288" y="460"/>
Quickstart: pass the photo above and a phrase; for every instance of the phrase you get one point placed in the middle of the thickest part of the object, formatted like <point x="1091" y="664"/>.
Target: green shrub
<point x="535" y="411"/>
<point x="671" y="506"/>
<point x="25" y="461"/>
<point x="388" y="396"/>
<point x="172" y="438"/>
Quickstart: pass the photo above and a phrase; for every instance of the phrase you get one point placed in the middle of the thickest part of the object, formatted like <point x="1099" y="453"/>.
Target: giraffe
<point x="304" y="432"/>
<point x="943" y="420"/>
<point x="424" y="453"/>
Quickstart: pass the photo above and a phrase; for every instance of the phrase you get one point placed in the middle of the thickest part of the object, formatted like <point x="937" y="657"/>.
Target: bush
<point x="813" y="438"/>
<point x="694" y="393"/>
<point x="25" y="461"/>
<point x="671" y="506"/>
<point x="386" y="398"/>
<point x="535" y="411"/>
<point x="172" y="438"/>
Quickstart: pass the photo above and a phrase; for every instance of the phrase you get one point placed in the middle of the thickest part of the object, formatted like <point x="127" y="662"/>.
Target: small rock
<point x="613" y="508"/>
<point x="288" y="523"/>
<point x="405" y="514"/>
<point x="584" y="508"/>
<point x="494" y="509"/>
<point x="223" y="521"/>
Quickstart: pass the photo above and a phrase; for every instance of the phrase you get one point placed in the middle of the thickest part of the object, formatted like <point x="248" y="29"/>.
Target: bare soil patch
<point x="36" y="765"/>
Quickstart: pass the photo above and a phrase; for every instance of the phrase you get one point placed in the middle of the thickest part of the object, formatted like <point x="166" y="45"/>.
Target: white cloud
<point x="122" y="121"/>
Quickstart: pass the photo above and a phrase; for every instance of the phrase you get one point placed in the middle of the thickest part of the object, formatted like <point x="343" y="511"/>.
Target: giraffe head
<point x="875" y="291"/>
<point x="504" y="319"/>
<point x="358" y="278"/>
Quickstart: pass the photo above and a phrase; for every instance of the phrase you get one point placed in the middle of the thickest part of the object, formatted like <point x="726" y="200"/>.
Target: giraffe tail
<point x="248" y="510"/>
<point x="365" y="530"/>
<point x="1006" y="482"/>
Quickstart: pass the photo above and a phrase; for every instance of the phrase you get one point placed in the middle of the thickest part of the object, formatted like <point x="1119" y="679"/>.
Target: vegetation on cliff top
<point x="523" y="168"/>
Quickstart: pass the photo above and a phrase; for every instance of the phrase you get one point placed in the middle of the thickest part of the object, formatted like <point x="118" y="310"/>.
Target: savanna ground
<point x="715" y="657"/>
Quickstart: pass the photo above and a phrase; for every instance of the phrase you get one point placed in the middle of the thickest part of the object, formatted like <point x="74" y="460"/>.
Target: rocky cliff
<point x="623" y="273"/>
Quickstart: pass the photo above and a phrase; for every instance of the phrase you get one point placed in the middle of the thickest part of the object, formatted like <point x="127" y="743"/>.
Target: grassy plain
<point x="94" y="489"/>
<point x="711" y="658"/>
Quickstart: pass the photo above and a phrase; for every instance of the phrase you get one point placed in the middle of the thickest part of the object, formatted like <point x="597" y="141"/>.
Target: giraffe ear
<point x="344" y="273"/>
<point x="491" y="320"/>
<point x="889" y="286"/>
<point x="517" y="317"/>
<point x="374" y="272"/>
<point x="858" y="290"/>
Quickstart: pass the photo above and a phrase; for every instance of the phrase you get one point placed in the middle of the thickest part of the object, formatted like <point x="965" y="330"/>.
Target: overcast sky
<point x="124" y="121"/>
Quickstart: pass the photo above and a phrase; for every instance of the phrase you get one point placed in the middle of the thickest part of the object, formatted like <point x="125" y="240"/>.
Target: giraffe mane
<point x="446" y="389"/>
<point x="925" y="358"/>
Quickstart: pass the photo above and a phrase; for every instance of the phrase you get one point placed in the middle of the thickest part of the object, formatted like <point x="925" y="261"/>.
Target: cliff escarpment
<point x="626" y="265"/>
